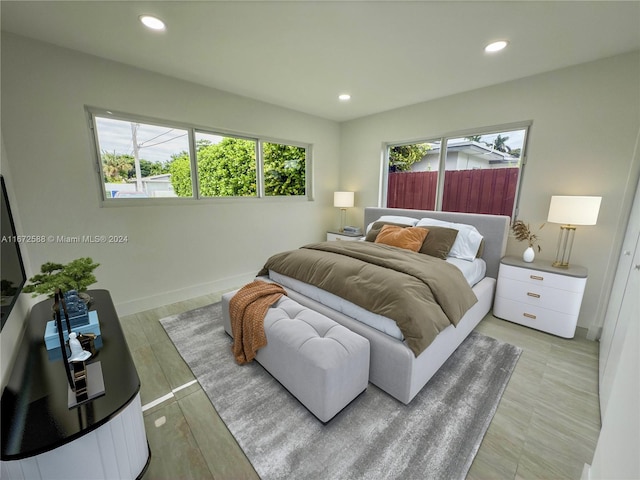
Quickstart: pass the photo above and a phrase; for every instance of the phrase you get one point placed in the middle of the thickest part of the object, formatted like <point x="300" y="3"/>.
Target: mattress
<point x="472" y="271"/>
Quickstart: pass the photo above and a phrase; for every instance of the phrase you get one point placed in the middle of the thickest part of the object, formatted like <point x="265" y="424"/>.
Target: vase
<point x="528" y="255"/>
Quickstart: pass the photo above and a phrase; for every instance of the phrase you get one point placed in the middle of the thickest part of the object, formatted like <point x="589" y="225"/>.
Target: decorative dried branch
<point x="523" y="233"/>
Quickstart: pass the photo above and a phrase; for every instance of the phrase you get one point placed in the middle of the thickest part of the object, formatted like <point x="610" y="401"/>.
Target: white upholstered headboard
<point x="494" y="229"/>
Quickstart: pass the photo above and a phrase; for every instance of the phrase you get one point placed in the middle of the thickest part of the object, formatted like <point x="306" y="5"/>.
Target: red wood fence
<point x="491" y="191"/>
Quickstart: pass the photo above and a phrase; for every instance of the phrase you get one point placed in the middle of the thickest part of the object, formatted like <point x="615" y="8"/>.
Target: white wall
<point x="173" y="251"/>
<point x="585" y="121"/>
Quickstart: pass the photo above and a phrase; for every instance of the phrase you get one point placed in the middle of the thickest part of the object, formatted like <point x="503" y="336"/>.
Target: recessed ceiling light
<point x="496" y="46"/>
<point x="344" y="97"/>
<point x="154" y="23"/>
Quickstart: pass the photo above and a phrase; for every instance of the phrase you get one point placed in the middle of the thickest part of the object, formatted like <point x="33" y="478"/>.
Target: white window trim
<point x="192" y="129"/>
<point x="443" y="138"/>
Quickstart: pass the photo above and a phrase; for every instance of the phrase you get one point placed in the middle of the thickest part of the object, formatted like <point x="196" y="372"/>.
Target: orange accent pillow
<point x="410" y="238"/>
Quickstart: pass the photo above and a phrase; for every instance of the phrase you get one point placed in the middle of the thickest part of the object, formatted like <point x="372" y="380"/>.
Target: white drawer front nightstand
<point x="345" y="237"/>
<point x="540" y="296"/>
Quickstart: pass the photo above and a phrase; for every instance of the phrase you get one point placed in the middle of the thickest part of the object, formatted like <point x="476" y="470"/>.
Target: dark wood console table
<point x="41" y="434"/>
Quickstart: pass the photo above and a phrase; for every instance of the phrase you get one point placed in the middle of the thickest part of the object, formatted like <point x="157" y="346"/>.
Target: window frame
<point x="195" y="182"/>
<point x="192" y="130"/>
<point x="444" y="139"/>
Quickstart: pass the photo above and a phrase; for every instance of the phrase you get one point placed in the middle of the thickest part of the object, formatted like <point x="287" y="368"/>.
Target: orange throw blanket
<point x="247" y="310"/>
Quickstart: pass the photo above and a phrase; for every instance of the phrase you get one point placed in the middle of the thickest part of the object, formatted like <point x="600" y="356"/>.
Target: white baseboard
<point x="586" y="472"/>
<point x="187" y="293"/>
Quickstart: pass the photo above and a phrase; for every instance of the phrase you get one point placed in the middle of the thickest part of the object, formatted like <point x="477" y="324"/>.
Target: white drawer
<point x="536" y="317"/>
<point x="537" y="277"/>
<point x="551" y="298"/>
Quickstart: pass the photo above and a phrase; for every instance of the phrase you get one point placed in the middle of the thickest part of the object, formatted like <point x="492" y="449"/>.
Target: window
<point x="137" y="159"/>
<point x="477" y="173"/>
<point x="413" y="175"/>
<point x="152" y="159"/>
<point x="284" y="169"/>
<point x="226" y="166"/>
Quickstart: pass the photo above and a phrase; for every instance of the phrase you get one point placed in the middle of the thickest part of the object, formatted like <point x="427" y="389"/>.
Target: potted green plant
<point x="75" y="275"/>
<point x="523" y="233"/>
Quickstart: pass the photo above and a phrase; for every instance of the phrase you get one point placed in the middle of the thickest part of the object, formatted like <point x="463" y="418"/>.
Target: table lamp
<point x="571" y="211"/>
<point x="343" y="200"/>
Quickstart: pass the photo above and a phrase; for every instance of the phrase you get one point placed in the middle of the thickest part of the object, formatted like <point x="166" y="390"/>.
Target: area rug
<point x="436" y="436"/>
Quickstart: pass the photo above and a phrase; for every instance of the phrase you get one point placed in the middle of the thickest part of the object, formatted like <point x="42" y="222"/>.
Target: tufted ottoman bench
<point x="323" y="364"/>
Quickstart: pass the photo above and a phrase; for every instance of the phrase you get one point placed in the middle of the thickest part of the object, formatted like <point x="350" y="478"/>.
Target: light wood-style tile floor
<point x="546" y="426"/>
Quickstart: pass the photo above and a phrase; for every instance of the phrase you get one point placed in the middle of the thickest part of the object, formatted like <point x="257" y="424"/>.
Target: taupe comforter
<point x="423" y="294"/>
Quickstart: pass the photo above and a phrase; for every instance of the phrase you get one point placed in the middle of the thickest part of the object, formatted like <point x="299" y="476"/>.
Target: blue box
<point x="51" y="339"/>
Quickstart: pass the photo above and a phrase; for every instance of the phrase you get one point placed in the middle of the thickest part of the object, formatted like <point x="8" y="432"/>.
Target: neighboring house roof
<point x="477" y="149"/>
<point x="165" y="177"/>
<point x="162" y="178"/>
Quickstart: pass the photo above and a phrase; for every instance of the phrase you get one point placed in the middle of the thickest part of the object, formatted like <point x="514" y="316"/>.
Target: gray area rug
<point x="436" y="436"/>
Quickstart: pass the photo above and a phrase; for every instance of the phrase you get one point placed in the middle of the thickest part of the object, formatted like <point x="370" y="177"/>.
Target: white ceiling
<point x="302" y="54"/>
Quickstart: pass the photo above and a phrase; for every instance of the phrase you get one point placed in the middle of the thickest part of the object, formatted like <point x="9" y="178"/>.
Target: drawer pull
<point x="536" y="277"/>
<point x="529" y="315"/>
<point x="534" y="295"/>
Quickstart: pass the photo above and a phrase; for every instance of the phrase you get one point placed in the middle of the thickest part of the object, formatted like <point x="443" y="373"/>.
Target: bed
<point x="396" y="365"/>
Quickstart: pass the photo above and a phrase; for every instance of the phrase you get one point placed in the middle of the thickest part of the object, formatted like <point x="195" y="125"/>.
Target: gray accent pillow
<point x="439" y="241"/>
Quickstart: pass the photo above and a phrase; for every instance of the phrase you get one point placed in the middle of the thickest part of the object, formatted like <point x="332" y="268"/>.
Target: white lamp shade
<point x="574" y="210"/>
<point x="343" y="199"/>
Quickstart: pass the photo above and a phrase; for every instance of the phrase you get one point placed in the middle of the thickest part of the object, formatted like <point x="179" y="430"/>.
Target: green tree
<point x="180" y="170"/>
<point x="225" y="169"/>
<point x="284" y="169"/>
<point x="116" y="168"/>
<point x="148" y="169"/>
<point x="500" y="145"/>
<point x="401" y="157"/>
<point x="202" y="143"/>
<point x="228" y="169"/>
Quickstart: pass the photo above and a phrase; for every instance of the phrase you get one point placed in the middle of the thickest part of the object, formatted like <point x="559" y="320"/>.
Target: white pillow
<point x="395" y="219"/>
<point x="467" y="241"/>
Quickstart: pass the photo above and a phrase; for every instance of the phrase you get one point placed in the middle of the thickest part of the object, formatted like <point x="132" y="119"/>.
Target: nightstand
<point x="346" y="237"/>
<point x="540" y="296"/>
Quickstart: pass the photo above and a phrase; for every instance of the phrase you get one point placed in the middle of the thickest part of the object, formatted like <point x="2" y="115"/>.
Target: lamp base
<point x="565" y="244"/>
<point x="343" y="215"/>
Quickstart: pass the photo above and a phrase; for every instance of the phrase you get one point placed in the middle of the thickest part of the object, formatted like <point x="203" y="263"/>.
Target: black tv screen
<point x="12" y="275"/>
